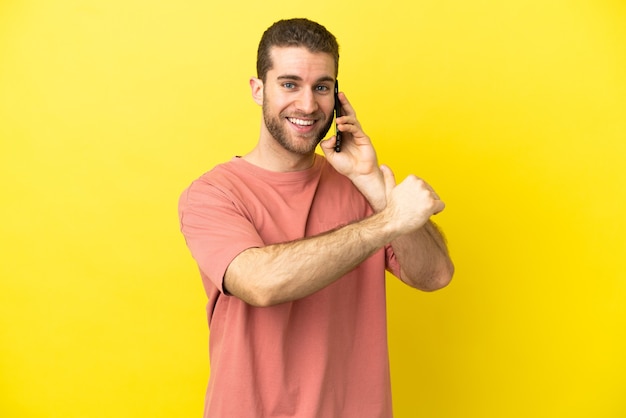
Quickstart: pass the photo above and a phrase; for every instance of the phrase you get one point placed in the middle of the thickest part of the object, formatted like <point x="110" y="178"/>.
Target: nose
<point x="306" y="102"/>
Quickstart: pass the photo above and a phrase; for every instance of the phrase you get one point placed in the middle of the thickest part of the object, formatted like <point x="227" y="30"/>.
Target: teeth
<point x="301" y="122"/>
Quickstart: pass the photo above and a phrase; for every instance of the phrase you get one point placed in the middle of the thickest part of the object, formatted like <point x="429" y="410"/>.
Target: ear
<point x="256" y="86"/>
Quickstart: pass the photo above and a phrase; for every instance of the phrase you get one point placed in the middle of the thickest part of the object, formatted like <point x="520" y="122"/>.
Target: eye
<point x="322" y="88"/>
<point x="289" y="85"/>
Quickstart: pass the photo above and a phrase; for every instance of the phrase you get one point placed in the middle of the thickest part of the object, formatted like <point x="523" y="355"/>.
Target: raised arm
<point x="357" y="159"/>
<point x="422" y="254"/>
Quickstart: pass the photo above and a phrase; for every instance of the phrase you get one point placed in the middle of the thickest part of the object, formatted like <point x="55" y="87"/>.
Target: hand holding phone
<point x="337" y="114"/>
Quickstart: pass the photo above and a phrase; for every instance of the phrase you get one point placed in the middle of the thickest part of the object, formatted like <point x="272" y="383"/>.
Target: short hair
<point x="296" y="32"/>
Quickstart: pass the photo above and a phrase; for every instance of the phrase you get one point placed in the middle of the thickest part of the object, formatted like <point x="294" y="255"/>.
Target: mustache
<point x="315" y="115"/>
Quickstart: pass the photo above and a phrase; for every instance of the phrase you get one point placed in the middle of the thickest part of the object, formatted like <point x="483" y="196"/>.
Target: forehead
<point x="301" y="62"/>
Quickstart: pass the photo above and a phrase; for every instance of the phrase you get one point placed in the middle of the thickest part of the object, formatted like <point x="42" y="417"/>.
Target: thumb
<point x="389" y="178"/>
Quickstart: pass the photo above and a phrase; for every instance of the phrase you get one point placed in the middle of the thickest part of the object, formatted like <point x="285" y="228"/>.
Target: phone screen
<point x="337" y="114"/>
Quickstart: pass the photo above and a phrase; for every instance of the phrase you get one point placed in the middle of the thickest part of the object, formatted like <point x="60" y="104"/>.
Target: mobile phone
<point x="337" y="114"/>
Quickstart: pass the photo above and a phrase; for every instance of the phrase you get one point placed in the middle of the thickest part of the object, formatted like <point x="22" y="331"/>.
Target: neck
<point x="279" y="161"/>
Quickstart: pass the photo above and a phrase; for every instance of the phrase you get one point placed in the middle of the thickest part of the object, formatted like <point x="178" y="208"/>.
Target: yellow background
<point x="515" y="111"/>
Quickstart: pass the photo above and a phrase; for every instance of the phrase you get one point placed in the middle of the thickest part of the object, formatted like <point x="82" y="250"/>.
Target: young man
<point x="292" y="247"/>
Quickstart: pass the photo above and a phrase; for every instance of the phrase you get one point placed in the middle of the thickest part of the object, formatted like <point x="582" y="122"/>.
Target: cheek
<point x="329" y="105"/>
<point x="330" y="110"/>
<point x="277" y="105"/>
<point x="273" y="100"/>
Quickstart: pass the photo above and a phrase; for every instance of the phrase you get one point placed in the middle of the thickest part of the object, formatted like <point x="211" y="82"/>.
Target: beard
<point x="299" y="144"/>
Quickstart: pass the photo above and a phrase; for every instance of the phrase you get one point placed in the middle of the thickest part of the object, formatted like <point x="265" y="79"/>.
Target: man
<point x="292" y="247"/>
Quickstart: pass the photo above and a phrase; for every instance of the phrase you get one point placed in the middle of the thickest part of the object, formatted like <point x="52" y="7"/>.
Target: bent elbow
<point x="443" y="277"/>
<point x="242" y="283"/>
<point x="261" y="300"/>
<point x="439" y="282"/>
<point x="433" y="280"/>
<point x="259" y="296"/>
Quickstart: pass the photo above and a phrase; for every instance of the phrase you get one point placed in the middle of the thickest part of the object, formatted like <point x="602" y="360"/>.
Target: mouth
<point x="304" y="123"/>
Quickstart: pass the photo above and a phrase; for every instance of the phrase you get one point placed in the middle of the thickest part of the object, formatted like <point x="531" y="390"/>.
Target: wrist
<point x="372" y="187"/>
<point x="385" y="226"/>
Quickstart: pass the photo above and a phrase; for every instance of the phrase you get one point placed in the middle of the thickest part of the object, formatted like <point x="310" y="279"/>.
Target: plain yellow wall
<point x="515" y="111"/>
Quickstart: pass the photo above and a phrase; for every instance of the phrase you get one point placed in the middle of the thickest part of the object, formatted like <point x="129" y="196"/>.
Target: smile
<point x="301" y="122"/>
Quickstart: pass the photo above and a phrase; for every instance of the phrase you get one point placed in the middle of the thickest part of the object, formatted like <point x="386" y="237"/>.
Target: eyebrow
<point x="298" y="78"/>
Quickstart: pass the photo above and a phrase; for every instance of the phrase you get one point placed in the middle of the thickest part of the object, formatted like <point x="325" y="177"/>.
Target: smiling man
<point x="309" y="118"/>
<point x="293" y="247"/>
<point x="297" y="99"/>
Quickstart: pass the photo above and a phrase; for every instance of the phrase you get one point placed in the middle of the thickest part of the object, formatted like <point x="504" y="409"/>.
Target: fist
<point x="412" y="202"/>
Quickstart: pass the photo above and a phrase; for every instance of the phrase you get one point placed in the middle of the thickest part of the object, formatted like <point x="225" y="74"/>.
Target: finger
<point x="439" y="207"/>
<point x="346" y="107"/>
<point x="428" y="187"/>
<point x="349" y="127"/>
